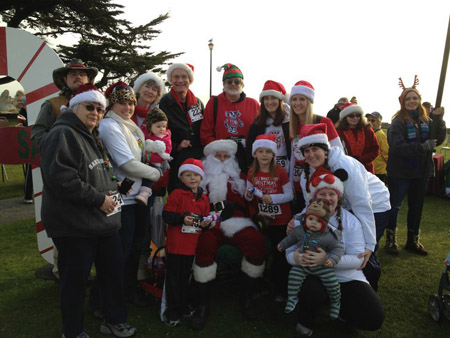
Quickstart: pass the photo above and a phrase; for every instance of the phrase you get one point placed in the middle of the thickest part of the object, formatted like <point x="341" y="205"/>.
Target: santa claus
<point x="225" y="185"/>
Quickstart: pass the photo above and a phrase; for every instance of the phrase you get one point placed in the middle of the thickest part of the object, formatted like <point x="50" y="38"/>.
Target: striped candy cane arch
<point x="31" y="62"/>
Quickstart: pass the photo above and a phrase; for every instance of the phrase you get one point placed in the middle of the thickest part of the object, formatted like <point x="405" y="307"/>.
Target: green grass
<point x="29" y="306"/>
<point x="13" y="186"/>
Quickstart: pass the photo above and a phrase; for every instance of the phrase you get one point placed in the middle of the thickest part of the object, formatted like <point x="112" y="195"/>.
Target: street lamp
<point x="210" y="46"/>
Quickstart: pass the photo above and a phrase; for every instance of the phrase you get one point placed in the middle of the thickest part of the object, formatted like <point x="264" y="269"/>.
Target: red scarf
<point x="356" y="142"/>
<point x="191" y="100"/>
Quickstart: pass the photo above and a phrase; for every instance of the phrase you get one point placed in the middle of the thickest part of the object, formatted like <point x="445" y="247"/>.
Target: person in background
<point x="358" y="138"/>
<point x="413" y="137"/>
<point x="22" y="119"/>
<point x="380" y="162"/>
<point x="185" y="114"/>
<point x="230" y="114"/>
<point x="272" y="119"/>
<point x="81" y="215"/>
<point x="149" y="89"/>
<point x="333" y="114"/>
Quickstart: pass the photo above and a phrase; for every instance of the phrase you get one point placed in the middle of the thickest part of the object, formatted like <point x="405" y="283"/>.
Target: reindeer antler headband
<point x="402" y="86"/>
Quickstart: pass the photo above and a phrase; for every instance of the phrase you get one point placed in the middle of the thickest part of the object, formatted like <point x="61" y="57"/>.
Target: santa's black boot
<point x="246" y="297"/>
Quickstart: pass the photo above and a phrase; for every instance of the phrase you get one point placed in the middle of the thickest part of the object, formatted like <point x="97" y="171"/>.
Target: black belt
<point x="218" y="206"/>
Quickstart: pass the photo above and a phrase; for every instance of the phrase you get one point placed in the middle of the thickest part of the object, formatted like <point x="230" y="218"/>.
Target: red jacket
<point x="233" y="118"/>
<point x="179" y="203"/>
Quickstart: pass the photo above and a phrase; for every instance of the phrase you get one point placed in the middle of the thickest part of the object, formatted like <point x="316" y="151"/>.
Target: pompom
<point x="219" y="68"/>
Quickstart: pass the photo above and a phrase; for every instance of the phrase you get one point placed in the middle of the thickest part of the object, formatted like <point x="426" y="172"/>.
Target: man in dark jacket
<point x="333" y="114"/>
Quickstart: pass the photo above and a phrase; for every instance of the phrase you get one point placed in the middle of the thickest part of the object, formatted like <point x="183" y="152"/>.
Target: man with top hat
<point x="225" y="185"/>
<point x="67" y="79"/>
<point x="230" y="114"/>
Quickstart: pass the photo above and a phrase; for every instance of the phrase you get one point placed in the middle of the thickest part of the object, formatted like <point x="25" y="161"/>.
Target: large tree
<point x="107" y="40"/>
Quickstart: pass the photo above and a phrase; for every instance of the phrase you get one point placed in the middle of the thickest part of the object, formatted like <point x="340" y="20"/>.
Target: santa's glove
<point x="227" y="212"/>
<point x="429" y="145"/>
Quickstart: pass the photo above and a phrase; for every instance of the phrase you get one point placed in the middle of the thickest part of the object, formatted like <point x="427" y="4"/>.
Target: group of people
<point x="238" y="171"/>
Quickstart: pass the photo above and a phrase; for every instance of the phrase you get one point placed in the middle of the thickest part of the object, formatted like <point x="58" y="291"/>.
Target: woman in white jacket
<point x="360" y="305"/>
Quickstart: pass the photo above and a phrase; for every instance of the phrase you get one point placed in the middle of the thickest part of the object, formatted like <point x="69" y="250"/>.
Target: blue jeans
<point x="415" y="189"/>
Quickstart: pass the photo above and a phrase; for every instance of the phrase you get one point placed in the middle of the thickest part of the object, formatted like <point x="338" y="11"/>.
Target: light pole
<point x="210" y="46"/>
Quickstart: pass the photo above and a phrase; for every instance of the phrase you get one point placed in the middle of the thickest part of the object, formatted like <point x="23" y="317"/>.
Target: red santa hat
<point x="87" y="93"/>
<point x="265" y="141"/>
<point x="273" y="88"/>
<point x="313" y="134"/>
<point x="350" y="108"/>
<point x="185" y="66"/>
<point x="230" y="71"/>
<point x="303" y="88"/>
<point x="229" y="146"/>
<point x="191" y="164"/>
<point x="323" y="178"/>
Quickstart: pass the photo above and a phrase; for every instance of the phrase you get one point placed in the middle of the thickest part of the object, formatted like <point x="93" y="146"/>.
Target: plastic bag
<point x="157" y="223"/>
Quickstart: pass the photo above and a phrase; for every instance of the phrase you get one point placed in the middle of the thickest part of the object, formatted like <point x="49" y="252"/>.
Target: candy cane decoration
<point x="31" y="62"/>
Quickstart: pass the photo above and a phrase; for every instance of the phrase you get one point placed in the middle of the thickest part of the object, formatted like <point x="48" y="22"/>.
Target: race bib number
<point x="297" y="173"/>
<point x="270" y="210"/>
<point x="195" y="114"/>
<point x="283" y="162"/>
<point x="189" y="229"/>
<point x="117" y="197"/>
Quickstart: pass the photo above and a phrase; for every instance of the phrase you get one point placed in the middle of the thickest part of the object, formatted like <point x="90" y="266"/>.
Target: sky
<point x="343" y="48"/>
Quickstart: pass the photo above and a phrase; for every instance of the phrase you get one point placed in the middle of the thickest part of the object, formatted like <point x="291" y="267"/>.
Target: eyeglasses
<point x="352" y="116"/>
<point x="91" y="107"/>
<point x="230" y="81"/>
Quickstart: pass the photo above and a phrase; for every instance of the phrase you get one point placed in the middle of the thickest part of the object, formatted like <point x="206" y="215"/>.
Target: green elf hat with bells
<point x="230" y="71"/>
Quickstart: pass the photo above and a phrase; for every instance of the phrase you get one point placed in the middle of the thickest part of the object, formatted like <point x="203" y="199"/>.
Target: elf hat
<point x="229" y="146"/>
<point x="350" y="108"/>
<point x="303" y="88"/>
<point x="185" y="66"/>
<point x="320" y="208"/>
<point x="191" y="164"/>
<point x="150" y="76"/>
<point x="87" y="93"/>
<point x="230" y="71"/>
<point x="154" y="116"/>
<point x="323" y="178"/>
<point x="265" y="141"/>
<point x="119" y="92"/>
<point x="273" y="88"/>
<point x="313" y="135"/>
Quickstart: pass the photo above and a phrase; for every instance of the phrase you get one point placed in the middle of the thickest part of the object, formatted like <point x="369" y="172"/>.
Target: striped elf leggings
<point x="298" y="274"/>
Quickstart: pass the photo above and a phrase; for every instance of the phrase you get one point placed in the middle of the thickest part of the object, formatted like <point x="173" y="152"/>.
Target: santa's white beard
<point x="233" y="92"/>
<point x="218" y="174"/>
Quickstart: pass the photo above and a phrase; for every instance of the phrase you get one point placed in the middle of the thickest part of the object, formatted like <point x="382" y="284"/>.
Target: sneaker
<point x="27" y="201"/>
<point x="303" y="330"/>
<point x="81" y="335"/>
<point x="118" y="330"/>
<point x="171" y="323"/>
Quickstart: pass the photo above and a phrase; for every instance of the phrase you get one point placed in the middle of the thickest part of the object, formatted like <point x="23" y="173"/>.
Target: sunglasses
<point x="91" y="107"/>
<point x="230" y="81"/>
<point x="352" y="116"/>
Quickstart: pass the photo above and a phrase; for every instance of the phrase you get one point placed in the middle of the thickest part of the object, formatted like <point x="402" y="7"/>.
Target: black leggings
<point x="360" y="304"/>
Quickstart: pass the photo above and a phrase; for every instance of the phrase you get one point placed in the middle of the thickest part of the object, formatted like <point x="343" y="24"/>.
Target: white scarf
<point x="130" y="131"/>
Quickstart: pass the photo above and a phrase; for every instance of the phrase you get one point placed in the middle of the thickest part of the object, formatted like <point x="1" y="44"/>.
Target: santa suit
<point x="239" y="230"/>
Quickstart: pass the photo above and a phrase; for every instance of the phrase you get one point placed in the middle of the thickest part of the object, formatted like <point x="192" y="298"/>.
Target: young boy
<point x="315" y="233"/>
<point x="183" y="212"/>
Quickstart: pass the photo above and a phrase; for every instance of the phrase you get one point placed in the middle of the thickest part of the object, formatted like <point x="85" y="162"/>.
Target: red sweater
<point x="233" y="118"/>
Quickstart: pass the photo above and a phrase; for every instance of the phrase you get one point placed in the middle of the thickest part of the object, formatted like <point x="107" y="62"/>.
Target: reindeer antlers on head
<point x="402" y="86"/>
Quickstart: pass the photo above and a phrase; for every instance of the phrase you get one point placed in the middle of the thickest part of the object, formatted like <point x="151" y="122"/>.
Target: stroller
<point x="439" y="305"/>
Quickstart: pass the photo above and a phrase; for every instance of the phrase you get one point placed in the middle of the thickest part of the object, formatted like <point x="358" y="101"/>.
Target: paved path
<point x="14" y="209"/>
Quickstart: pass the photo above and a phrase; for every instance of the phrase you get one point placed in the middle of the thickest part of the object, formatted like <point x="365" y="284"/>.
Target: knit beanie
<point x="303" y="88"/>
<point x="87" y="93"/>
<point x="319" y="207"/>
<point x="230" y="71"/>
<point x="273" y="88"/>
<point x="154" y="116"/>
<point x="265" y="141"/>
<point x="191" y="164"/>
<point x="185" y="66"/>
<point x="119" y="92"/>
<point x="350" y="108"/>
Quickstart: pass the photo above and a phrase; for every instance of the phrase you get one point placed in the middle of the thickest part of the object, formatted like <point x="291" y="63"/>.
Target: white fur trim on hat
<point x="235" y="224"/>
<point x="88" y="96"/>
<point x="181" y="66"/>
<point x="229" y="146"/>
<point x="204" y="274"/>
<point x="264" y="143"/>
<point x="251" y="270"/>
<point x="147" y="77"/>
<point x="190" y="167"/>
<point x="349" y="110"/>
<point x="313" y="139"/>
<point x="271" y="92"/>
<point x="302" y="90"/>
